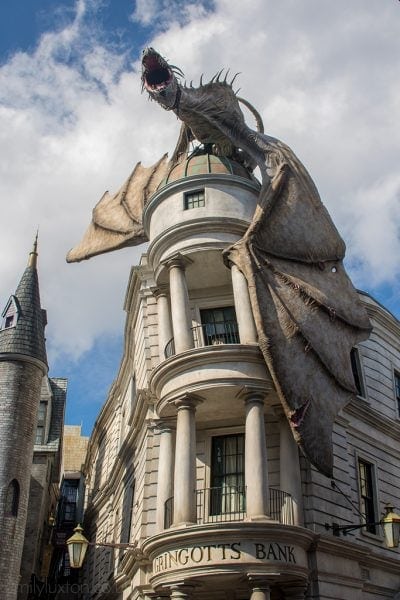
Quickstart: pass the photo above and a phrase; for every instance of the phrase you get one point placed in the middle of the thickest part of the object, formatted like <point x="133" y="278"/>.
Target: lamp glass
<point x="391" y="528"/>
<point x="77" y="546"/>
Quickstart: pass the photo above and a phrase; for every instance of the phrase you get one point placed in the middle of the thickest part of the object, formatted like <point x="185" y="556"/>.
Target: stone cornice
<point x="209" y="356"/>
<point x="11" y="356"/>
<point x="176" y="233"/>
<point x="363" y="411"/>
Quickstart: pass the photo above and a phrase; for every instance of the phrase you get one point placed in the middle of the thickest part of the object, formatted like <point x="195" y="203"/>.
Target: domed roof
<point x="204" y="163"/>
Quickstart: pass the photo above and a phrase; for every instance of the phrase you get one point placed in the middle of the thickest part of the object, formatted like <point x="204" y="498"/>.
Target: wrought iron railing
<point x="221" y="505"/>
<point x="209" y="334"/>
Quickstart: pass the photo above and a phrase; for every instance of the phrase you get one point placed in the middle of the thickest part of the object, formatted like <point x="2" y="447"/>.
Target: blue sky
<point x="324" y="76"/>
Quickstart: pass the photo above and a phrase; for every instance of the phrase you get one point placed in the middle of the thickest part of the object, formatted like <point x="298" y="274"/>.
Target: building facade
<point x="44" y="489"/>
<point x="193" y="477"/>
<point x="64" y="581"/>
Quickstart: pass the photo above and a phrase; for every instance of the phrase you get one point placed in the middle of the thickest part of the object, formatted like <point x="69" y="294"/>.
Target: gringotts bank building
<point x="249" y="447"/>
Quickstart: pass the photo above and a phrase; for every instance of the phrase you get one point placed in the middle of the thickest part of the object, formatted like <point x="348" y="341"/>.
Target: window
<point x="219" y="326"/>
<point x="12" y="499"/>
<point x="227" y="474"/>
<point x="193" y="199"/>
<point x="9" y="321"/>
<point x="10" y="313"/>
<point x="127" y="512"/>
<point x="69" y="500"/>
<point x="357" y="371"/>
<point x="397" y="389"/>
<point x="41" y="423"/>
<point x="367" y="493"/>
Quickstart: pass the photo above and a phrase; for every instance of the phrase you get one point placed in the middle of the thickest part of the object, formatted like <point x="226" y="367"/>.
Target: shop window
<point x="366" y="481"/>
<point x="227" y="475"/>
<point x="357" y="371"/>
<point x="219" y="326"/>
<point x="194" y="199"/>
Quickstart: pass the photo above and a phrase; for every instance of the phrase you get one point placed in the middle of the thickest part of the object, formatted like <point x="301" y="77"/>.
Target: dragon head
<point x="159" y="78"/>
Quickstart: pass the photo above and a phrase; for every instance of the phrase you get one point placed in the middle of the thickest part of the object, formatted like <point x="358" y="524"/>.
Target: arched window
<point x="12" y="499"/>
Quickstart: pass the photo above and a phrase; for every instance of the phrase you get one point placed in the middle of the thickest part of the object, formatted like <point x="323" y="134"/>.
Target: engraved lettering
<point x="183" y="560"/>
<point x="260" y="551"/>
<point x="271" y="552"/>
<point x="199" y="556"/>
<point x="224" y="547"/>
<point x="235" y="551"/>
<point x="292" y="557"/>
<point x="282" y="552"/>
<point x="209" y="551"/>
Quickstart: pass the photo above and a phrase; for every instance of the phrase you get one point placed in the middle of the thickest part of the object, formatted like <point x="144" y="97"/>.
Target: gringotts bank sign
<point x="201" y="555"/>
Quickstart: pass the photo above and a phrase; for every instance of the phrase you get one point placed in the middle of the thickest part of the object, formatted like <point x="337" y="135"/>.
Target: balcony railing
<point x="222" y="505"/>
<point x="209" y="334"/>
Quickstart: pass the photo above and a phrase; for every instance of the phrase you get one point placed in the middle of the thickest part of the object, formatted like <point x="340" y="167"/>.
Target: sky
<point x="324" y="75"/>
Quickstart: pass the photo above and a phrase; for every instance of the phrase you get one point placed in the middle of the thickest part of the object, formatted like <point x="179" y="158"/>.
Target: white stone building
<point x="191" y="461"/>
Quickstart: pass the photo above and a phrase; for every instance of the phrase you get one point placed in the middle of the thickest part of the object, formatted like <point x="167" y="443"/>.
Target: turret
<point x="23" y="364"/>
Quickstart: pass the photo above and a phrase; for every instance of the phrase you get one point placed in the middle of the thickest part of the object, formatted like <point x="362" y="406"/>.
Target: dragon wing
<point x="117" y="220"/>
<point x="308" y="315"/>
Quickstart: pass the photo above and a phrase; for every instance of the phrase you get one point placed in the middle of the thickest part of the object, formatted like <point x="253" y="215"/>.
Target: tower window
<point x="9" y="322"/>
<point x="357" y="371"/>
<point x="227" y="474"/>
<point x="12" y="499"/>
<point x="193" y="199"/>
<point x="10" y="313"/>
<point x="219" y="326"/>
<point x="367" y="494"/>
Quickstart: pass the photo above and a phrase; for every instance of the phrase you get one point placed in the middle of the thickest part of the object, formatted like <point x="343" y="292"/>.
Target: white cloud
<point x="73" y="123"/>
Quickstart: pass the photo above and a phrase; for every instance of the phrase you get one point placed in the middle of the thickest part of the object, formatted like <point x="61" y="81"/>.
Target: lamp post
<point x="77" y="546"/>
<point x="390" y="524"/>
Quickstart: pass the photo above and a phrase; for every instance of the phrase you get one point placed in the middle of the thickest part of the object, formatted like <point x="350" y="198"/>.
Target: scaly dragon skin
<point x="307" y="313"/>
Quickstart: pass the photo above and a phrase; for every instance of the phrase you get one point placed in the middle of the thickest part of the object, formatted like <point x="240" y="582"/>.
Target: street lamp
<point x="390" y="523"/>
<point x="391" y="527"/>
<point x="77" y="545"/>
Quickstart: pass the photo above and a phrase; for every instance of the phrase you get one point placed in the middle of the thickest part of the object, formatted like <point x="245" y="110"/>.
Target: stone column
<point x="179" y="592"/>
<point x="180" y="313"/>
<point x="256" y="468"/>
<point x="185" y="461"/>
<point x="165" y="481"/>
<point x="164" y="322"/>
<point x="261" y="593"/>
<point x="290" y="476"/>
<point x="244" y="314"/>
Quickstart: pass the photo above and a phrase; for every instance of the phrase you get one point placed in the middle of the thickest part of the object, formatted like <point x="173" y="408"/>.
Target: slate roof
<point x="27" y="336"/>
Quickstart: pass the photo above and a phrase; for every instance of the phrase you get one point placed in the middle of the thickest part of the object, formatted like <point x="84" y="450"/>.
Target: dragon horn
<point x="226" y="75"/>
<point x="201" y="79"/>
<point x="219" y="75"/>
<point x="234" y="78"/>
<point x="256" y="114"/>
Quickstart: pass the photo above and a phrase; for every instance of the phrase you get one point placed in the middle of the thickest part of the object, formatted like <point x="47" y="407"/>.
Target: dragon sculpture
<point x="307" y="313"/>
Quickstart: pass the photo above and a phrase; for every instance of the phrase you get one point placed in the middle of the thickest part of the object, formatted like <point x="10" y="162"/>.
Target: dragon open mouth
<point x="156" y="73"/>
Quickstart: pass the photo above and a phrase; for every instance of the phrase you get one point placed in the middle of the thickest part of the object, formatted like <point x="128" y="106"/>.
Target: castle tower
<point x="23" y="364"/>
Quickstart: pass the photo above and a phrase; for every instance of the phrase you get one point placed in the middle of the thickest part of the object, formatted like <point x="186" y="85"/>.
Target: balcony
<point x="224" y="505"/>
<point x="209" y="334"/>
